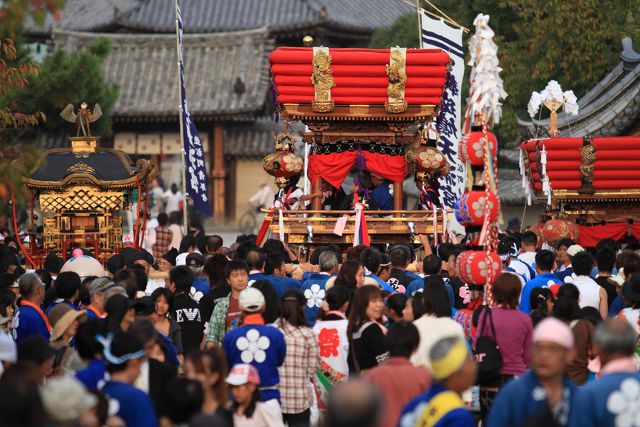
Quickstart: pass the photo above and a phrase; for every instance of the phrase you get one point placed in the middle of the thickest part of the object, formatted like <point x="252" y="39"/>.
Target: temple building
<point x="226" y="51"/>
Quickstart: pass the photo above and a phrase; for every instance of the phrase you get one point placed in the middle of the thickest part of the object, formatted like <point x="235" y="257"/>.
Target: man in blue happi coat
<point x="614" y="398"/>
<point x="543" y="396"/>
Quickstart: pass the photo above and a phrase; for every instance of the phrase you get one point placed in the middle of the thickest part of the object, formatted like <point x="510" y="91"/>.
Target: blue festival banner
<point x="195" y="173"/>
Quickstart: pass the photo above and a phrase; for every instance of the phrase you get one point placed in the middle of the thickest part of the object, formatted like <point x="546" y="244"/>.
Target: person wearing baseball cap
<point x="257" y="344"/>
<point x="544" y="395"/>
<point x="97" y="287"/>
<point x="248" y="410"/>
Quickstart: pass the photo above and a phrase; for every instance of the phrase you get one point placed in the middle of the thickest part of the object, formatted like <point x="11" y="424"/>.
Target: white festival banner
<point x="437" y="34"/>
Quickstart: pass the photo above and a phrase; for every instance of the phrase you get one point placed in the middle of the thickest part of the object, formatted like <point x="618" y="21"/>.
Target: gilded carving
<point x="322" y="81"/>
<point x="81" y="168"/>
<point x="587" y="164"/>
<point x="396" y="70"/>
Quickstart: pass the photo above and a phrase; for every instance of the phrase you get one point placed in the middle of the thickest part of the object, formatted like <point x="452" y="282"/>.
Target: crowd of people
<point x="193" y="332"/>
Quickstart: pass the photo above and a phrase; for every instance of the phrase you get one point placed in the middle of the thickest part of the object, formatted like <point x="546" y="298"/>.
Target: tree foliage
<point x="17" y="160"/>
<point x="575" y="43"/>
<point x="14" y="12"/>
<point x="73" y="78"/>
<point x="13" y="78"/>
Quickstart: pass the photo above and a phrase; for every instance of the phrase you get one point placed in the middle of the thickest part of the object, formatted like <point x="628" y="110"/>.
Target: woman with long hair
<point x="301" y="360"/>
<point x="248" y="410"/>
<point x="271" y="306"/>
<point x="351" y="275"/>
<point x="567" y="309"/>
<point x="163" y="299"/>
<point x="219" y="288"/>
<point x="365" y="331"/>
<point x="209" y="367"/>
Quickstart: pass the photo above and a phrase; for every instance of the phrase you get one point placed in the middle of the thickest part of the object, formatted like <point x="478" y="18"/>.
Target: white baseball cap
<point x="251" y="300"/>
<point x="574" y="249"/>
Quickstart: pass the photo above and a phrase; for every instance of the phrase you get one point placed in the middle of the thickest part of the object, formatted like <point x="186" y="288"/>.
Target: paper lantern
<point x="472" y="266"/>
<point x="284" y="163"/>
<point x="556" y="229"/>
<point x="471" y="147"/>
<point x="471" y="206"/>
<point x="427" y="163"/>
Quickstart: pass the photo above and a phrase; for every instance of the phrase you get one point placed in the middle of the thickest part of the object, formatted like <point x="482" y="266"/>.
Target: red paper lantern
<point x="471" y="206"/>
<point x="471" y="148"/>
<point x="556" y="229"/>
<point x="472" y="266"/>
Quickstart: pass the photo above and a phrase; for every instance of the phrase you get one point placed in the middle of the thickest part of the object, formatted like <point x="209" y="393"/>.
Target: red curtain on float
<point x="589" y="236"/>
<point x="334" y="167"/>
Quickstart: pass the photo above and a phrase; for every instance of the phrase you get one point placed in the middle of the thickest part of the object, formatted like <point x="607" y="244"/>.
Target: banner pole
<point x="180" y="97"/>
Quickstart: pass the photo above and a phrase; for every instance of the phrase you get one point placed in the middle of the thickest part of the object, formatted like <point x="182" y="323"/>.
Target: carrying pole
<point x="181" y="97"/>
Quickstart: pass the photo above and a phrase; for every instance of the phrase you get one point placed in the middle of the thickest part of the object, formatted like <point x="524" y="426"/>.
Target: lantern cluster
<point x="284" y="163"/>
<point x="477" y="205"/>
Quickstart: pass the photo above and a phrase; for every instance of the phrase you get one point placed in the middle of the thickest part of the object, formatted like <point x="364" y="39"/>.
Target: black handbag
<point x="487" y="352"/>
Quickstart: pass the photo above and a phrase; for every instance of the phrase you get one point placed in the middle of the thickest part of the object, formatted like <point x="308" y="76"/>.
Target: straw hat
<point x="61" y="317"/>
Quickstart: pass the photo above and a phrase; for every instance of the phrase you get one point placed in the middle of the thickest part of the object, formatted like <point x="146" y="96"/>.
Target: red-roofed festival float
<point x="360" y="107"/>
<point x="591" y="183"/>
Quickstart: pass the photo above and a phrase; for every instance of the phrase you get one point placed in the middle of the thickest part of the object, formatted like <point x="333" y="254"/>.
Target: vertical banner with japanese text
<point x="195" y="173"/>
<point x="437" y="34"/>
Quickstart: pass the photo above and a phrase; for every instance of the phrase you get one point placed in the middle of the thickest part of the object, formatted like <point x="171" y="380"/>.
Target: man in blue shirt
<point x="256" y="260"/>
<point x="124" y="355"/>
<point x="544" y="396"/>
<point x="314" y="287"/>
<point x="29" y="319"/>
<point x="613" y="399"/>
<point x="431" y="266"/>
<point x="545" y="264"/>
<point x="276" y="270"/>
<point x="256" y="344"/>
<point x="381" y="193"/>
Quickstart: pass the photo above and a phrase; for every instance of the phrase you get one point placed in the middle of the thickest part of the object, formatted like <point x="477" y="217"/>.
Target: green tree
<point x="403" y="32"/>
<point x="73" y="78"/>
<point x="575" y="43"/>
